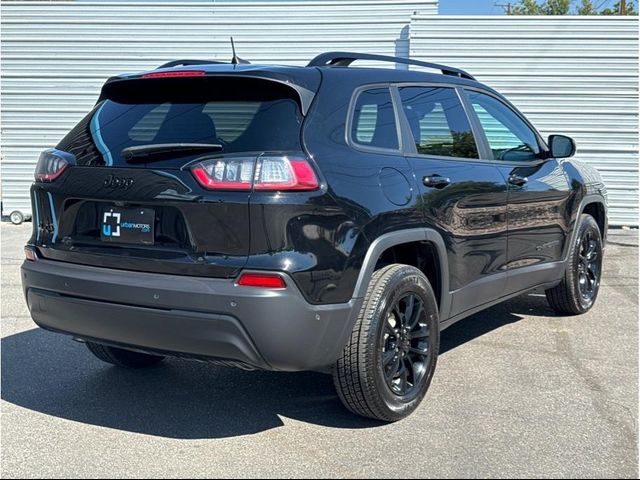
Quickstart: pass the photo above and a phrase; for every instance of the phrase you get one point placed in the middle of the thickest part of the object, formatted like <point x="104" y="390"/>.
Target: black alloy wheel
<point x="588" y="265"/>
<point x="405" y="345"/>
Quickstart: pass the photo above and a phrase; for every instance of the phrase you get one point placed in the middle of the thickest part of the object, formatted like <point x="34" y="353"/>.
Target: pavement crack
<point x="599" y="395"/>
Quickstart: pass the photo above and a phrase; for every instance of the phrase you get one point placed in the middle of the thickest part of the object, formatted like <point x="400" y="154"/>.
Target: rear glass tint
<point x="192" y="111"/>
<point x="374" y="121"/>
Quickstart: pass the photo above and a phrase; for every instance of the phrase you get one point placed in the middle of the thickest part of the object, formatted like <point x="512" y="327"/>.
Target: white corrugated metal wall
<point x="56" y="55"/>
<point x="573" y="75"/>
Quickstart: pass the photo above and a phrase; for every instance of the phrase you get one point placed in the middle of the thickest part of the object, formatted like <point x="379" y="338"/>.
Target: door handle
<point x="435" y="181"/>
<point x="517" y="180"/>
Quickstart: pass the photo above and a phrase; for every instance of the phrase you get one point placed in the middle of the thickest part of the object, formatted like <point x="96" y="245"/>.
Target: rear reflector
<point x="180" y="73"/>
<point x="263" y="280"/>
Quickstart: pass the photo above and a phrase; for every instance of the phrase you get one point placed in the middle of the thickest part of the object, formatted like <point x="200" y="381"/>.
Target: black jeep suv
<point x="299" y="218"/>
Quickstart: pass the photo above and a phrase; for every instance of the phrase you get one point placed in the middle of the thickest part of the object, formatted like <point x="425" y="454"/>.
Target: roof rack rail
<point x="344" y="59"/>
<point x="176" y="63"/>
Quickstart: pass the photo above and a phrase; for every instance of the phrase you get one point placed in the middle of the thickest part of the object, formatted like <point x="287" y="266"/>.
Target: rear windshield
<point x="252" y="116"/>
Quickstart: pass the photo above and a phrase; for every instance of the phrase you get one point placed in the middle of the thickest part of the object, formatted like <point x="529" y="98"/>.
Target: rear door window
<point x="438" y="122"/>
<point x="374" y="122"/>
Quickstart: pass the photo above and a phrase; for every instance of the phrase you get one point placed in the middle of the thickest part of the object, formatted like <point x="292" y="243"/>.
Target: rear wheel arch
<point x="423" y="248"/>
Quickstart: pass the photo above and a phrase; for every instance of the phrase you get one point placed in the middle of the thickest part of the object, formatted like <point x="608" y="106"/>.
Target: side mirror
<point x="561" y="146"/>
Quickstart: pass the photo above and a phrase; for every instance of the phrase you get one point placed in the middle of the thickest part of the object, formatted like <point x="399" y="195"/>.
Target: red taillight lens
<point x="51" y="164"/>
<point x="284" y="173"/>
<point x="233" y="173"/>
<point x="30" y="254"/>
<point x="179" y="73"/>
<point x="262" y="280"/>
<point x="273" y="172"/>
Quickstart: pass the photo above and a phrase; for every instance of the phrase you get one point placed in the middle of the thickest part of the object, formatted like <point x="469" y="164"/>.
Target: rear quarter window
<point x="373" y="121"/>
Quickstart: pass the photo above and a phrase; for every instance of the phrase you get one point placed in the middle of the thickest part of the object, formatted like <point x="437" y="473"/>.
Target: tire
<point x="579" y="288"/>
<point x="16" y="217"/>
<point x="377" y="344"/>
<point x="121" y="357"/>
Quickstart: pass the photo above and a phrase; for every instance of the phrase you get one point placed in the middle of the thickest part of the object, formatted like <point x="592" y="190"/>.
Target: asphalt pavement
<point x="519" y="392"/>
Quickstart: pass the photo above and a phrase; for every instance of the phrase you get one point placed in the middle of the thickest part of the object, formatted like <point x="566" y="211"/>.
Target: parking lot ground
<point x="518" y="392"/>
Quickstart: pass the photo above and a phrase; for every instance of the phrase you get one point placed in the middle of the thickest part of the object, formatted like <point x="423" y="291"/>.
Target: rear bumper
<point x="188" y="316"/>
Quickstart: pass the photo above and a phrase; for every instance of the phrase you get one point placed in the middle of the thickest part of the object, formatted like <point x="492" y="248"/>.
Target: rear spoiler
<point x="304" y="95"/>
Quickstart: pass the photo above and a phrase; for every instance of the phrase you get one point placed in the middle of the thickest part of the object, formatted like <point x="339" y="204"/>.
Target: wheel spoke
<point x="423" y="332"/>
<point x="416" y="316"/>
<point x="397" y="315"/>
<point x="403" y="383"/>
<point x="410" y="368"/>
<point x="582" y="282"/>
<point x="393" y="370"/>
<point x="592" y="277"/>
<point x="387" y="357"/>
<point x="408" y="311"/>
<point x="419" y="351"/>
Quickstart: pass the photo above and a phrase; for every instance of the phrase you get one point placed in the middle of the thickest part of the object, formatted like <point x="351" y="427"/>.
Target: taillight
<point x="284" y="173"/>
<point x="267" y="172"/>
<point x="233" y="173"/>
<point x="52" y="163"/>
<point x="262" y="280"/>
<point x="30" y="253"/>
<point x="179" y="73"/>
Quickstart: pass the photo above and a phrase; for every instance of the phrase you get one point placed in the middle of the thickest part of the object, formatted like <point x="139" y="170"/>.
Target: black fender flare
<point x="586" y="200"/>
<point x="383" y="242"/>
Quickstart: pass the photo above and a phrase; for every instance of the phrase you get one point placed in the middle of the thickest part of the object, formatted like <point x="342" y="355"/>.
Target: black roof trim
<point x="344" y="59"/>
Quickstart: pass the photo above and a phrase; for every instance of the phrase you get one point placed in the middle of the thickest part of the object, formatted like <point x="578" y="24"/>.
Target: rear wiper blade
<point x="161" y="151"/>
